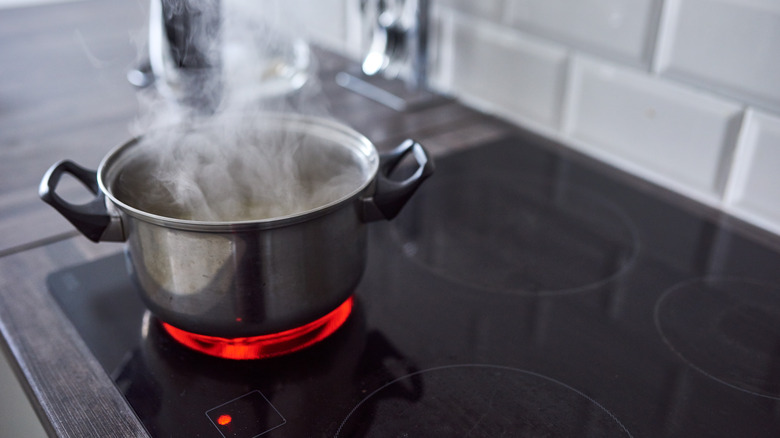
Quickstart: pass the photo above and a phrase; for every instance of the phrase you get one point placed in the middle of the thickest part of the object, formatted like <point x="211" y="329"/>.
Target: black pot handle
<point x="91" y="218"/>
<point x="390" y="195"/>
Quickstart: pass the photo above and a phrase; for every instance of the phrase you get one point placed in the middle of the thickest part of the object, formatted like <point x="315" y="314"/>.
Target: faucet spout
<point x="184" y="55"/>
<point x="397" y="32"/>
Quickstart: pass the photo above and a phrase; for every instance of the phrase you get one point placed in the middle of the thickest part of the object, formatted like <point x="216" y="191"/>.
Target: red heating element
<point x="265" y="346"/>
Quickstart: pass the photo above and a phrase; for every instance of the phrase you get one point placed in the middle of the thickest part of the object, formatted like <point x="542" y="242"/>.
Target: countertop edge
<point x="69" y="390"/>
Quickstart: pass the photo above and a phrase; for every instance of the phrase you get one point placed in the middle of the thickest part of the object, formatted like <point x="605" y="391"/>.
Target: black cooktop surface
<point x="520" y="293"/>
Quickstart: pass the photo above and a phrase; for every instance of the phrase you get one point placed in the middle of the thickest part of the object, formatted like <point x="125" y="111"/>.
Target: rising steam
<point x="209" y="150"/>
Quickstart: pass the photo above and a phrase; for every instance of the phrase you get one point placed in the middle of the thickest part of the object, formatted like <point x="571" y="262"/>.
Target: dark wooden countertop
<point x="63" y="94"/>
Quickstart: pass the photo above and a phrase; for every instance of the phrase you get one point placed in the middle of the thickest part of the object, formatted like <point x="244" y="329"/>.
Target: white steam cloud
<point x="209" y="151"/>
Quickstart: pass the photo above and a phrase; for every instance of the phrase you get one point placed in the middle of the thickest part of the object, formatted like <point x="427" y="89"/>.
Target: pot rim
<point x="325" y="128"/>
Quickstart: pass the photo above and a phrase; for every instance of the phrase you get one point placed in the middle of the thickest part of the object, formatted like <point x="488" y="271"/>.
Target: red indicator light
<point x="224" y="420"/>
<point x="265" y="346"/>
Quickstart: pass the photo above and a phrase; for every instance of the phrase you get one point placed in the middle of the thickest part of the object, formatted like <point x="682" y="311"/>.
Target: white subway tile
<point x="730" y="46"/>
<point x="679" y="137"/>
<point x="491" y="9"/>
<point x="353" y="29"/>
<point x="322" y="21"/>
<point x="621" y="29"/>
<point x="754" y="186"/>
<point x="440" y="51"/>
<point x="501" y="70"/>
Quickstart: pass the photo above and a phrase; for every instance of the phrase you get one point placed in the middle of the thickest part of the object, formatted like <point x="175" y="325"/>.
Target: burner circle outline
<point x="482" y="366"/>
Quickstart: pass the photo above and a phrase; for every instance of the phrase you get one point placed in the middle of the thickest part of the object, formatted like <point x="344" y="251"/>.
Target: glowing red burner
<point x="265" y="346"/>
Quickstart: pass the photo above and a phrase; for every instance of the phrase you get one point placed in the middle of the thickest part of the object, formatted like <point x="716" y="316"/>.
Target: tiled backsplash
<point x="685" y="93"/>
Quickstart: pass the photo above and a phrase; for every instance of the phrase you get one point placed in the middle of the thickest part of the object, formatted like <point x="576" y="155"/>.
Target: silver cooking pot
<point x="246" y="277"/>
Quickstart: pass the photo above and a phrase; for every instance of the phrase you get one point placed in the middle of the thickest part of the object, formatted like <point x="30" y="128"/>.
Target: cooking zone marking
<point x="728" y="329"/>
<point x="442" y="401"/>
<point x="527" y="237"/>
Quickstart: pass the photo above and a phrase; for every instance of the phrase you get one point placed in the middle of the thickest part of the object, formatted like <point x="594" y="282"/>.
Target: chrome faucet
<point x="202" y="52"/>
<point x="183" y="49"/>
<point x="395" y="34"/>
<point x="398" y="39"/>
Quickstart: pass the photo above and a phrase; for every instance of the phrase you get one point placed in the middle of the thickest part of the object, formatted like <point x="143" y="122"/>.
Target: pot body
<point x="248" y="282"/>
<point x="249" y="277"/>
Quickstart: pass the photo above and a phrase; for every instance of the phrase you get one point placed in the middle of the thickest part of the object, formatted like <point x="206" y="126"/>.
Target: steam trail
<point x="207" y="152"/>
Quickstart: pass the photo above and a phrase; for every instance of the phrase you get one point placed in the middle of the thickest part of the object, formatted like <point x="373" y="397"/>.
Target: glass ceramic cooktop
<point x="519" y="293"/>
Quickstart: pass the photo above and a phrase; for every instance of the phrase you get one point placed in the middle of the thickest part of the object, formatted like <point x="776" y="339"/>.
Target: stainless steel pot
<point x="246" y="277"/>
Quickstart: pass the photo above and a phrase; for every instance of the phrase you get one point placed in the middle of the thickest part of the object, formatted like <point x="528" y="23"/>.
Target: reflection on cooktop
<point x="521" y="236"/>
<point x="728" y="329"/>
